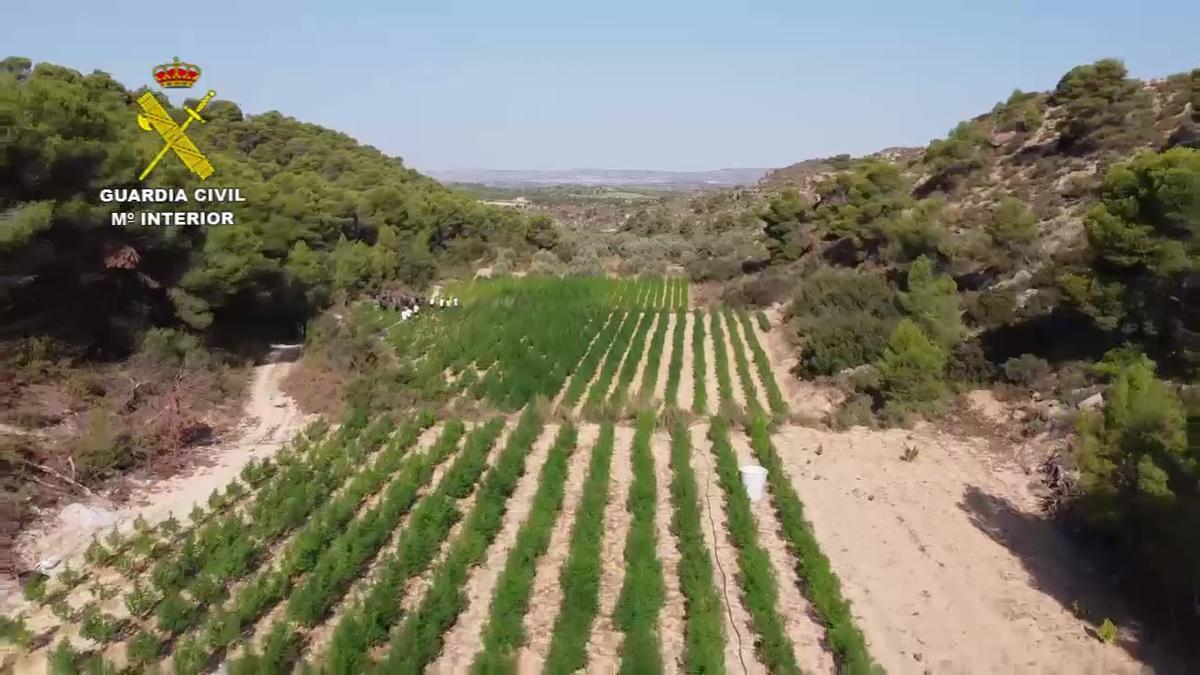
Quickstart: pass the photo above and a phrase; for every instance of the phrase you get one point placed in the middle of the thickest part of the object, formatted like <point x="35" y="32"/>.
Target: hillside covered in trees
<point x="323" y="214"/>
<point x="1049" y="249"/>
<point x="101" y="327"/>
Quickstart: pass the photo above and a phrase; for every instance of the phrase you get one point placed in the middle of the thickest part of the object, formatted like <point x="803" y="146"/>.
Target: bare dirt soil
<point x="947" y="561"/>
<point x="463" y="639"/>
<point x="687" y="382"/>
<point x="740" y="656"/>
<point x="546" y="594"/>
<point x="800" y="621"/>
<point x="671" y="620"/>
<point x="604" y="644"/>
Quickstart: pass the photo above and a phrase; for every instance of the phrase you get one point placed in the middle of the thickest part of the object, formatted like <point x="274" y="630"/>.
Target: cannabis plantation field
<point x="556" y="489"/>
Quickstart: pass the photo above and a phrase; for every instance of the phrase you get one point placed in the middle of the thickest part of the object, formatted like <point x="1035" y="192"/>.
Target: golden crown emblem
<point x="176" y="74"/>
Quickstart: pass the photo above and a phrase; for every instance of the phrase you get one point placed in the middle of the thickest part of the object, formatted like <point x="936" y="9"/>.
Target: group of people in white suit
<point x="441" y="302"/>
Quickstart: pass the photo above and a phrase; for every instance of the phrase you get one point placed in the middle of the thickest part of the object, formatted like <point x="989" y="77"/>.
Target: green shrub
<point x="174" y="613"/>
<point x="764" y="324"/>
<point x="168" y="346"/>
<point x="189" y="656"/>
<point x="62" y="659"/>
<point x="1022" y="112"/>
<point x="34" y="590"/>
<point x="855" y="411"/>
<point x="993" y="308"/>
<point x="1097" y="100"/>
<point x="1026" y="369"/>
<point x="1138" y="476"/>
<point x="916" y="232"/>
<point x="837" y="290"/>
<point x="144" y="649"/>
<point x="102" y="450"/>
<point x="932" y="301"/>
<point x="912" y="368"/>
<point x="14" y="631"/>
<point x="714" y="269"/>
<point x="546" y="263"/>
<point x="99" y="626"/>
<point x="841" y="341"/>
<point x="968" y="364"/>
<point x="787" y="222"/>
<point x="761" y="290"/>
<point x="966" y="149"/>
<point x="1012" y="226"/>
<point x="853" y="203"/>
<point x="1107" y="632"/>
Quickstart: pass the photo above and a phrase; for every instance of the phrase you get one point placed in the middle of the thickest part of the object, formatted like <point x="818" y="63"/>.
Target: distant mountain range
<point x="602" y="177"/>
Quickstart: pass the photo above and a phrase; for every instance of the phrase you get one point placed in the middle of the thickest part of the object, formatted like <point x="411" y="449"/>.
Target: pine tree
<point x="912" y="368"/>
<point x="932" y="301"/>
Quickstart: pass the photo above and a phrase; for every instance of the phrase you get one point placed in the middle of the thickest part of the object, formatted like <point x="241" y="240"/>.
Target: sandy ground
<point x="271" y="419"/>
<point x="804" y="398"/>
<point x="546" y="594"/>
<point x="414" y="590"/>
<point x="946" y="560"/>
<point x="760" y="392"/>
<point x="735" y="380"/>
<point x="463" y="639"/>
<point x="710" y="367"/>
<point x="321" y="634"/>
<point x="739" y="629"/>
<point x="687" y="392"/>
<point x="664" y="366"/>
<point x="804" y="631"/>
<point x="671" y="619"/>
<point x="604" y="642"/>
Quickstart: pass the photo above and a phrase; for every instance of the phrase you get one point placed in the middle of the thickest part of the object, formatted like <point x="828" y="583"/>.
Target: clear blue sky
<point x="616" y="84"/>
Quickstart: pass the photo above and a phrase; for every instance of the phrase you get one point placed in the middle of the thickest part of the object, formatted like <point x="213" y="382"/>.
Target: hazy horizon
<point x="665" y="86"/>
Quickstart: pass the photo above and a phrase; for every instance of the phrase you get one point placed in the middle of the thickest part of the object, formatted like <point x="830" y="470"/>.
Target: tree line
<point x="324" y="215"/>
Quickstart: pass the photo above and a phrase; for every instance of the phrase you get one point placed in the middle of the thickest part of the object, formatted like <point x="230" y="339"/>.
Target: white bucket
<point x="754" y="478"/>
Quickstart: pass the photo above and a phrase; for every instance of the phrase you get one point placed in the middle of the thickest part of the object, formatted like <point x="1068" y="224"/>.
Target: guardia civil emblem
<point x="175" y="75"/>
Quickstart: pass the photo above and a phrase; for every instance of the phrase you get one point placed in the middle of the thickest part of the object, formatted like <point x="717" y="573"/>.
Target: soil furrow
<point x="735" y="330"/>
<point x="687" y="381"/>
<point x="739" y="630"/>
<point x="605" y="640"/>
<point x="671" y="617"/>
<point x="805" y="632"/>
<point x="710" y="360"/>
<point x="664" y="365"/>
<point x="463" y="639"/>
<point x="546" y="596"/>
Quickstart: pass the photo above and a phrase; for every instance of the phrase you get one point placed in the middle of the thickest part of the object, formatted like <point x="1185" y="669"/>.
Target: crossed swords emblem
<point x="154" y="116"/>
